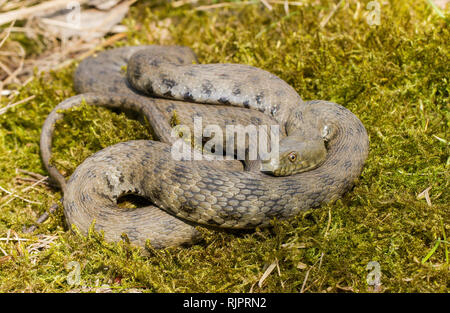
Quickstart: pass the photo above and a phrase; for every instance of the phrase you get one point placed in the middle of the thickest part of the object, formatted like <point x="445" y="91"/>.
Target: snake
<point x="322" y="150"/>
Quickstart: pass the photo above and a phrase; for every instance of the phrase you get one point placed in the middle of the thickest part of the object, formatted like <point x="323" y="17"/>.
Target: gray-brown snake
<point x="186" y="193"/>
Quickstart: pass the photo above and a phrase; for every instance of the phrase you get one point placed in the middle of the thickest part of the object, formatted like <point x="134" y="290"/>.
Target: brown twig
<point x="41" y="219"/>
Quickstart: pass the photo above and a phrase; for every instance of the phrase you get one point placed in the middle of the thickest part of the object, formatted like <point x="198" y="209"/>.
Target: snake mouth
<point x="271" y="167"/>
<point x="269" y="164"/>
<point x="288" y="170"/>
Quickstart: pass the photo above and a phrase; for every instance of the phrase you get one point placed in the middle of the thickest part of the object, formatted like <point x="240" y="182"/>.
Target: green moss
<point x="90" y="130"/>
<point x="393" y="76"/>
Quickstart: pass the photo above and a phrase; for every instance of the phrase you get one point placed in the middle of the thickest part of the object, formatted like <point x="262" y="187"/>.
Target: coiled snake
<point x="189" y="192"/>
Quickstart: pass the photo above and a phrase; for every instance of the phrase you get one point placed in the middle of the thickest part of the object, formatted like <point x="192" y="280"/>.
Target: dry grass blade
<point x="13" y="239"/>
<point x="34" y="178"/>
<point x="11" y="105"/>
<point x="5" y="257"/>
<point x="91" y="51"/>
<point x="441" y="3"/>
<point x="286" y="3"/>
<point x="286" y="7"/>
<point x="279" y="273"/>
<point x="180" y="3"/>
<point x="11" y="194"/>
<point x="10" y="5"/>
<point x="13" y="54"/>
<point x="223" y="5"/>
<point x="25" y="13"/>
<point x="267" y="273"/>
<point x="42" y="244"/>
<point x="302" y="290"/>
<point x="62" y="42"/>
<point x="330" y="15"/>
<point x="267" y="5"/>
<point x="425" y="194"/>
<point x="93" y="23"/>
<point x="7" y="33"/>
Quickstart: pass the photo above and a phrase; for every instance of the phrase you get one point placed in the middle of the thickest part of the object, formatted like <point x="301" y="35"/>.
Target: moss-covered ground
<point x="394" y="76"/>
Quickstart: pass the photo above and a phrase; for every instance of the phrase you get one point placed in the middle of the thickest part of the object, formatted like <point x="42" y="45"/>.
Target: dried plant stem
<point x="27" y="12"/>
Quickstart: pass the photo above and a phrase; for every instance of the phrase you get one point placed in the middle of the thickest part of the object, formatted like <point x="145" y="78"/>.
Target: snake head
<point x="295" y="156"/>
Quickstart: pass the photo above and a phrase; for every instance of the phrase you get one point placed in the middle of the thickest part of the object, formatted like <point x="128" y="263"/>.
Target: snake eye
<point x="292" y="156"/>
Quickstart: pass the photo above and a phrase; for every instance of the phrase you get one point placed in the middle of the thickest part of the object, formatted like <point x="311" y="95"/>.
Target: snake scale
<point x="156" y="82"/>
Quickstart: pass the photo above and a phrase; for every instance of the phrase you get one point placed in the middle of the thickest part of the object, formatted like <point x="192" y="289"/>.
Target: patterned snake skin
<point x="187" y="193"/>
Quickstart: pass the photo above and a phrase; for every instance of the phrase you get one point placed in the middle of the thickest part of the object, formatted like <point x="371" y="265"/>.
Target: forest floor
<point x="393" y="73"/>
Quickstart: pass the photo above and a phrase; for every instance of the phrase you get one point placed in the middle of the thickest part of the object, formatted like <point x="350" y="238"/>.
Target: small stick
<point x="34" y="180"/>
<point x="32" y="174"/>
<point x="41" y="219"/>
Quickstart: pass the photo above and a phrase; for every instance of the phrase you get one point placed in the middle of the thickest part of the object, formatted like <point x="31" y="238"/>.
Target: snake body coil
<point x="185" y="193"/>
